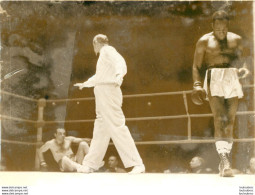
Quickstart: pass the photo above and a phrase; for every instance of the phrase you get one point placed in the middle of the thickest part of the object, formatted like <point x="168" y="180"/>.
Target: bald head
<point x="99" y="41"/>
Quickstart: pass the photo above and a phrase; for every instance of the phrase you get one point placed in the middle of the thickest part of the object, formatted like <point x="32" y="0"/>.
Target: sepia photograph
<point x="127" y="97"/>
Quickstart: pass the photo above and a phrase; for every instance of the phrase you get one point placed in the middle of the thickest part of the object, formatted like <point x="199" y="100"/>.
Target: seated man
<point x="113" y="165"/>
<point x="61" y="150"/>
<point x="251" y="169"/>
<point x="197" y="165"/>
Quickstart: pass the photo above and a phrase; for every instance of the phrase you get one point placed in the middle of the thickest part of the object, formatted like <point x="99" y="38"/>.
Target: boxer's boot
<point x="224" y="166"/>
<point x="223" y="149"/>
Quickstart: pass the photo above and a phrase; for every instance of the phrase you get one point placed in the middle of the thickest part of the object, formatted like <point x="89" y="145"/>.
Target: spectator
<point x="197" y="165"/>
<point x="113" y="165"/>
<point x="251" y="169"/>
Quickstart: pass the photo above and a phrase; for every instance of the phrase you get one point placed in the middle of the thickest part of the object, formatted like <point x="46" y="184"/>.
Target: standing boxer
<point x="220" y="51"/>
<point x="110" y="120"/>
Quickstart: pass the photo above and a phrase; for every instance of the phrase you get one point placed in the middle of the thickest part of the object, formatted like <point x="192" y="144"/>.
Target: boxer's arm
<point x="198" y="60"/>
<point x="198" y="94"/>
<point x="43" y="149"/>
<point x="243" y="71"/>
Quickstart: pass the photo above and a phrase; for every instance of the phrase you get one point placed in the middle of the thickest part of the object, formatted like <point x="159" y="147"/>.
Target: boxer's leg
<point x="68" y="165"/>
<point x="83" y="149"/>
<point x="224" y="113"/>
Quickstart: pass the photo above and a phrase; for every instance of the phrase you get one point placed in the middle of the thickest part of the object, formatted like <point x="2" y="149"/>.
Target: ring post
<point x="188" y="115"/>
<point x="40" y="123"/>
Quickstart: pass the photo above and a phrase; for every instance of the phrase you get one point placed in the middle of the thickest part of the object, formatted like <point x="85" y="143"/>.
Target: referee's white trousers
<point x="110" y="124"/>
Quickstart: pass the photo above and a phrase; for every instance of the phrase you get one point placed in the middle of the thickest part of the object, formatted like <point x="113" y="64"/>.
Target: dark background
<point x="51" y="42"/>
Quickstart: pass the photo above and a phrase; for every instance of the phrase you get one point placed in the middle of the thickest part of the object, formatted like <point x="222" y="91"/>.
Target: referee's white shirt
<point x="110" y="64"/>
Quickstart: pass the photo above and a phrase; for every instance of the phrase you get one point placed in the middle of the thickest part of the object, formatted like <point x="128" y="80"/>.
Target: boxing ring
<point x="40" y="122"/>
<point x="41" y="183"/>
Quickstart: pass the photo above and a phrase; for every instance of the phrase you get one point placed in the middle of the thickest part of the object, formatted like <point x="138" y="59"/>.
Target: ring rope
<point x="248" y="86"/>
<point x="18" y="142"/>
<point x="71" y="100"/>
<point x="124" y="96"/>
<point x="188" y="115"/>
<point x="71" y="121"/>
<point x="136" y="95"/>
<point x="127" y="119"/>
<point x="152" y="117"/>
<point x="18" y="96"/>
<point x="157" y="94"/>
<point x="16" y="119"/>
<point x="192" y="141"/>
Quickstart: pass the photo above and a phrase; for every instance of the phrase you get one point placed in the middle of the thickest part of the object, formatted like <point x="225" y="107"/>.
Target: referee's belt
<point x="105" y="83"/>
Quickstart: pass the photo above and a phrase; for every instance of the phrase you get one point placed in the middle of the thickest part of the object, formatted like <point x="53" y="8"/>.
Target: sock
<point x="229" y="147"/>
<point x="223" y="146"/>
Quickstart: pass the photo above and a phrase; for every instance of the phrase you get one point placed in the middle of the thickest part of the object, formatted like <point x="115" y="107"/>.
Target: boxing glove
<point x="198" y="94"/>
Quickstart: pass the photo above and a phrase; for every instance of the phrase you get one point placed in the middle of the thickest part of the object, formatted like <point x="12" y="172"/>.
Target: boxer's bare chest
<point x="220" y="52"/>
<point x="61" y="148"/>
